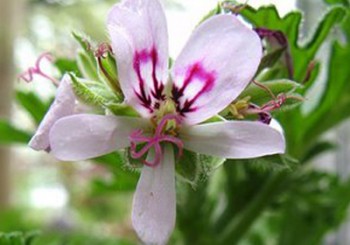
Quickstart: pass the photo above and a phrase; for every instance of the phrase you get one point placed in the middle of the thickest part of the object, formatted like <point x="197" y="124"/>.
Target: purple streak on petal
<point x="157" y="93"/>
<point x="195" y="71"/>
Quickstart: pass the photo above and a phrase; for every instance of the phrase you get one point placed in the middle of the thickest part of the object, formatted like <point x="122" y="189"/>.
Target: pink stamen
<point x="158" y="137"/>
<point x="28" y="75"/>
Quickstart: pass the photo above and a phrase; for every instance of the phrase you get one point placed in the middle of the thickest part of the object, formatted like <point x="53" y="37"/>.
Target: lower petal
<point x="234" y="139"/>
<point x="154" y="206"/>
<point x="85" y="136"/>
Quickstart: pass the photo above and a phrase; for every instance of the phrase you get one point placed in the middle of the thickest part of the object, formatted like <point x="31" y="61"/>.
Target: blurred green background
<point x="89" y="203"/>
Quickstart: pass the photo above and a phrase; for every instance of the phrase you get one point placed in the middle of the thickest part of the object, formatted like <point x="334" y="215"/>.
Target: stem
<point x="237" y="228"/>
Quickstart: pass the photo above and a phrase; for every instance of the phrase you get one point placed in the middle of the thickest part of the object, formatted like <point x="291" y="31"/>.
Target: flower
<point x="218" y="62"/>
<point x="63" y="105"/>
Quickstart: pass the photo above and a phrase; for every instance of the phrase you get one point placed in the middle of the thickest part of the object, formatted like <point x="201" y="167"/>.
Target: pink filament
<point x="158" y="137"/>
<point x="28" y="75"/>
<point x="269" y="106"/>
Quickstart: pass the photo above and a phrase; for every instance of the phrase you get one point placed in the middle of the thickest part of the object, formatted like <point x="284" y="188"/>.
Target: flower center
<point x="165" y="131"/>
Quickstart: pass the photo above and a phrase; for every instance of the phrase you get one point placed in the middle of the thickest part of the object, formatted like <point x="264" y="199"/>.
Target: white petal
<point x="276" y="125"/>
<point x="139" y="38"/>
<point x="63" y="105"/>
<point x="234" y="139"/>
<point x="219" y="60"/>
<point x="154" y="206"/>
<point x="85" y="136"/>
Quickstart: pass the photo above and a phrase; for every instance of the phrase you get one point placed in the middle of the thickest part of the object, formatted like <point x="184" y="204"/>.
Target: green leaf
<point x="268" y="17"/>
<point x="318" y="148"/>
<point x="260" y="96"/>
<point x="18" y="238"/>
<point x="193" y="167"/>
<point x="109" y="65"/>
<point x="85" y="42"/>
<point x="274" y="163"/>
<point x="187" y="167"/>
<point x="335" y="102"/>
<point x="270" y="59"/>
<point x="65" y="65"/>
<point x="122" y="110"/>
<point x="36" y="107"/>
<point x="216" y="118"/>
<point x="344" y="2"/>
<point x="11" y="135"/>
<point x="86" y="57"/>
<point x="293" y="121"/>
<point x="315" y="204"/>
<point x="93" y="93"/>
<point x="87" y="67"/>
<point x="122" y="178"/>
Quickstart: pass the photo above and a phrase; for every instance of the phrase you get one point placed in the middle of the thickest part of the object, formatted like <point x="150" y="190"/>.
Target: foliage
<point x="17" y="238"/>
<point x="249" y="201"/>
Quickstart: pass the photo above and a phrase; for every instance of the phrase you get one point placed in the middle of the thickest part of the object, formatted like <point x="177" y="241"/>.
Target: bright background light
<point x="49" y="197"/>
<point x="184" y="15"/>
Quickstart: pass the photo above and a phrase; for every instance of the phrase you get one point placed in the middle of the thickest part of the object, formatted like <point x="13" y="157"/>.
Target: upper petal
<point x="154" y="206"/>
<point x="217" y="63"/>
<point x="63" y="105"/>
<point x="234" y="139"/>
<point x="139" y="36"/>
<point x="85" y="136"/>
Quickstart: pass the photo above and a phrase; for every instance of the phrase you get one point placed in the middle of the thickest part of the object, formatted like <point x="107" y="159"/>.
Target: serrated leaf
<point x="268" y="17"/>
<point x="275" y="163"/>
<point x="297" y="134"/>
<point x="93" y="93"/>
<point x="335" y="103"/>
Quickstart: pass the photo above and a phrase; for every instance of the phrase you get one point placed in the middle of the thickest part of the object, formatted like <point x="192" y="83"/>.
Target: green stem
<point x="236" y="229"/>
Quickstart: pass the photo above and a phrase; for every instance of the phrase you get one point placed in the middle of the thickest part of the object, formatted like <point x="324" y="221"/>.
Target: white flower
<point x="219" y="60"/>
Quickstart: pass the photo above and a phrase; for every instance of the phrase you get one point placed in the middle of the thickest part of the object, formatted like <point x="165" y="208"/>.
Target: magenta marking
<point x="195" y="71"/>
<point x="149" y="101"/>
<point x="28" y="75"/>
<point x="158" y="137"/>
